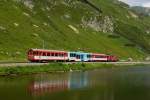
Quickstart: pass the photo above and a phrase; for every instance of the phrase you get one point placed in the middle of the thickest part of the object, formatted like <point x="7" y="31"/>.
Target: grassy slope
<point x="129" y="27"/>
<point x="56" y="33"/>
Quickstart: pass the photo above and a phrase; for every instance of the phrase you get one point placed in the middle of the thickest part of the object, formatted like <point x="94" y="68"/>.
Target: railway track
<point x="23" y="64"/>
<point x="20" y="64"/>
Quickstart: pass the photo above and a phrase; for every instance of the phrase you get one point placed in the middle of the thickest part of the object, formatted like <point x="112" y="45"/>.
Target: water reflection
<point x="105" y="84"/>
<point x="58" y="83"/>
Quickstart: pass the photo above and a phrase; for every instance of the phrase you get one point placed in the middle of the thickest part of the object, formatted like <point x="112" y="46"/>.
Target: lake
<point x="124" y="83"/>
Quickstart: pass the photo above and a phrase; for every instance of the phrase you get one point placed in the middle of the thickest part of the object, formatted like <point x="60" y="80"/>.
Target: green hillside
<point x="71" y="25"/>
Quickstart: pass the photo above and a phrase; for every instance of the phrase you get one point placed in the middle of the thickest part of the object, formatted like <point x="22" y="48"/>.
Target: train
<point x="43" y="55"/>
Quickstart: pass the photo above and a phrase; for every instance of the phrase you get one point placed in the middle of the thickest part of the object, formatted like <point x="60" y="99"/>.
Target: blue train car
<point x="79" y="56"/>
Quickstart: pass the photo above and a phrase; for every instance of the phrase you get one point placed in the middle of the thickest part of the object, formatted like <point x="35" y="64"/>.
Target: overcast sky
<point x="145" y="3"/>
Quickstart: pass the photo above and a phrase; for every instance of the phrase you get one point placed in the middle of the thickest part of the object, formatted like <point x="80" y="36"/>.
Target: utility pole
<point x="43" y="44"/>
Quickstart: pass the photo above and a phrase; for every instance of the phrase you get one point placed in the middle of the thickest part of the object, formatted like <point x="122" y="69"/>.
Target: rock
<point x="67" y="16"/>
<point x="48" y="8"/>
<point x="74" y="29"/>
<point x="147" y="58"/>
<point x="133" y="15"/>
<point x="35" y="35"/>
<point x="128" y="16"/>
<point x="130" y="59"/>
<point x="104" y="24"/>
<point x="45" y="24"/>
<point x="26" y="14"/>
<point x="122" y="60"/>
<point x="71" y="70"/>
<point x="43" y="9"/>
<point x="2" y="28"/>
<point x="147" y="31"/>
<point x="16" y="24"/>
<point x="28" y="3"/>
<point x="7" y="53"/>
<point x="48" y="16"/>
<point x="1" y="52"/>
<point x="36" y="26"/>
<point x="70" y="3"/>
<point x="18" y="53"/>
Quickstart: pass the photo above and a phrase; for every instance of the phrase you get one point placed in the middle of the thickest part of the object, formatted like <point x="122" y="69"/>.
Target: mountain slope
<point x="70" y="25"/>
<point x="145" y="11"/>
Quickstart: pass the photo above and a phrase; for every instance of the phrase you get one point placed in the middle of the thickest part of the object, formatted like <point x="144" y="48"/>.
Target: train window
<point x="44" y="54"/>
<point x="52" y="54"/>
<point x="98" y="56"/>
<point x="48" y="54"/>
<point x="34" y="53"/>
<point x="65" y="54"/>
<point x="40" y="53"/>
<point x="103" y="56"/>
<point x="71" y="55"/>
<point x="78" y="56"/>
<point x="56" y="54"/>
<point x="88" y="56"/>
<point x="74" y="55"/>
<point x="30" y="53"/>
<point x="61" y="55"/>
<point x="37" y="53"/>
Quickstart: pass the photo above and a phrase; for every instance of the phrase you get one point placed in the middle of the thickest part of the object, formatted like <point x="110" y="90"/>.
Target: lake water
<point x="128" y="83"/>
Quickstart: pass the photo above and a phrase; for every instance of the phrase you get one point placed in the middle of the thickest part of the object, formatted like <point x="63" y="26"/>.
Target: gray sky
<point x="145" y="3"/>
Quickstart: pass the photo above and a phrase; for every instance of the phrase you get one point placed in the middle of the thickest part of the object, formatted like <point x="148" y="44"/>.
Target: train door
<point x="82" y="57"/>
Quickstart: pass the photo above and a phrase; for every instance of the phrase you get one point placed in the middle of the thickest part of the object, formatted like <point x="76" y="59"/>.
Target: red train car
<point x="112" y="58"/>
<point x="39" y="55"/>
<point x="95" y="57"/>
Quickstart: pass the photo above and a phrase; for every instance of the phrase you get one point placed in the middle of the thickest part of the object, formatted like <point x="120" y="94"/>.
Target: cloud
<point x="145" y="3"/>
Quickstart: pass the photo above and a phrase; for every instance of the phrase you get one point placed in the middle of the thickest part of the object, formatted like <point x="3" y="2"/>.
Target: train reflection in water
<point x="51" y="85"/>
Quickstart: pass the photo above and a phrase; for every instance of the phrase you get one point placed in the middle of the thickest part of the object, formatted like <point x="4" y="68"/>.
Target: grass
<point x="46" y="22"/>
<point x="58" y="67"/>
<point x="133" y="29"/>
<point x="52" y="67"/>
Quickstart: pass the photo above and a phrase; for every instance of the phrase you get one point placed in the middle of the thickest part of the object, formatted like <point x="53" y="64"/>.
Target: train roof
<point x="79" y="52"/>
<point x="98" y="54"/>
<point x="45" y="50"/>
